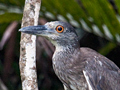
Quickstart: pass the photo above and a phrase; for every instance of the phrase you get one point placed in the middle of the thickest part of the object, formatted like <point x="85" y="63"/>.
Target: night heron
<point x="77" y="68"/>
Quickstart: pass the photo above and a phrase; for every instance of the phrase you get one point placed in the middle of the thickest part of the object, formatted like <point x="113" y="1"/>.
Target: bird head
<point x="57" y="32"/>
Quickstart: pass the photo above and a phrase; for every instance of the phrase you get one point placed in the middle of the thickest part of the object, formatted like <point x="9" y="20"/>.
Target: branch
<point x="28" y="46"/>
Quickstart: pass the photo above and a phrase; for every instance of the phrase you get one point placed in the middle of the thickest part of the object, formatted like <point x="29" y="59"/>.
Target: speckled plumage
<point x="77" y="68"/>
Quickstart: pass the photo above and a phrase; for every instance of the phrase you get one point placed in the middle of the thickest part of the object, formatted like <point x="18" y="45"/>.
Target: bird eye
<point x="59" y="28"/>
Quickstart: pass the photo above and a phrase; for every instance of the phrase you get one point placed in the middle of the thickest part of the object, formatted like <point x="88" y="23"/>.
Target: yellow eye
<point x="59" y="28"/>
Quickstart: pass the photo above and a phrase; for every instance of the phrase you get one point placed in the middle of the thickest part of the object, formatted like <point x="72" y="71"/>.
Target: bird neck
<point x="64" y="56"/>
<point x="64" y="53"/>
<point x="68" y="46"/>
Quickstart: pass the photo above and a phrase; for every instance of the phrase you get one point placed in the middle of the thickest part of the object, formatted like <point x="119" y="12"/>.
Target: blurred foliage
<point x="100" y="17"/>
<point x="117" y="2"/>
<point x="96" y="16"/>
<point x="11" y="17"/>
<point x="107" y="48"/>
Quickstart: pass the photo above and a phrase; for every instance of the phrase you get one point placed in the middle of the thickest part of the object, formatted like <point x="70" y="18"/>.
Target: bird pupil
<point x="59" y="28"/>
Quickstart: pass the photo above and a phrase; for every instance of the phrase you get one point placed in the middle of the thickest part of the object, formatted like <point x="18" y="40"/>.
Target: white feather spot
<point x="72" y="87"/>
<point x="100" y="63"/>
<point x="100" y="77"/>
<point x="65" y="87"/>
<point x="86" y="61"/>
<point x="87" y="80"/>
<point x="95" y="56"/>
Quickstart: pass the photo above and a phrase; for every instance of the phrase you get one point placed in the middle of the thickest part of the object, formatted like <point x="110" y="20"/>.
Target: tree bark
<point x="28" y="46"/>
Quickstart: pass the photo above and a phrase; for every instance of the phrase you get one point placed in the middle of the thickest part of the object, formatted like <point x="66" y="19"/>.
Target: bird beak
<point x="35" y="30"/>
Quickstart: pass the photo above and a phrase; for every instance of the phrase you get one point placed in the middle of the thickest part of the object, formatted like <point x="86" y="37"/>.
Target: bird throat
<point x="63" y="55"/>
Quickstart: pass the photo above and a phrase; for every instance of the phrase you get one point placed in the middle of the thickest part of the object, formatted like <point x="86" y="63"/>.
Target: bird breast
<point x="65" y="67"/>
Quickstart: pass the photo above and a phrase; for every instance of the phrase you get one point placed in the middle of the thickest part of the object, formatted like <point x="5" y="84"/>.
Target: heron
<point x="78" y="68"/>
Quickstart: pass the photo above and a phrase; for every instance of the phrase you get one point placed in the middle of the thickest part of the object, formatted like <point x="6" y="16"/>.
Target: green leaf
<point x="9" y="17"/>
<point x="95" y="16"/>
